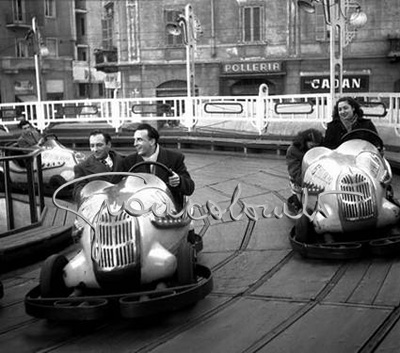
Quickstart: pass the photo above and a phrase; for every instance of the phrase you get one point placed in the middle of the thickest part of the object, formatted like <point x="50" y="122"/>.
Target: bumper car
<point x="57" y="165"/>
<point x="348" y="206"/>
<point x="136" y="256"/>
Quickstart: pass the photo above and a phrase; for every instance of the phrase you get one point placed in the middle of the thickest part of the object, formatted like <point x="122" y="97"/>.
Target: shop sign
<point x="82" y="73"/>
<point x="252" y="67"/>
<point x="23" y="87"/>
<point x="112" y="80"/>
<point x="54" y="86"/>
<point x="321" y="84"/>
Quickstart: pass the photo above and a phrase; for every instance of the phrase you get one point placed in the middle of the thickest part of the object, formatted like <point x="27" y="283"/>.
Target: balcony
<point x="24" y="21"/>
<point x="106" y="60"/>
<point x="14" y="65"/>
<point x="80" y="6"/>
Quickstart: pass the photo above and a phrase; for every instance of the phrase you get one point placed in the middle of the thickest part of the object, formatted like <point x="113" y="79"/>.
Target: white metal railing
<point x="239" y="113"/>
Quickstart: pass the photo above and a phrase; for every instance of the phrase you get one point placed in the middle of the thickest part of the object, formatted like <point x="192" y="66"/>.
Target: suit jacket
<point x="175" y="161"/>
<point x="93" y="166"/>
<point x="29" y="138"/>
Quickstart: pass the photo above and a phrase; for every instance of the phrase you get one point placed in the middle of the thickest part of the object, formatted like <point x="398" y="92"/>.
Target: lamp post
<point x="343" y="17"/>
<point x="39" y="51"/>
<point x="185" y="26"/>
<point x="189" y="27"/>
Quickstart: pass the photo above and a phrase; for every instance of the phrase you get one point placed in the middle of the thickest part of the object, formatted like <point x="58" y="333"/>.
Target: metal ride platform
<point x="266" y="297"/>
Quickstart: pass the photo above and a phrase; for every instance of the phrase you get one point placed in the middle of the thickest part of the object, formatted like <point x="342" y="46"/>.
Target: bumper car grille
<point x="355" y="208"/>
<point x="115" y="245"/>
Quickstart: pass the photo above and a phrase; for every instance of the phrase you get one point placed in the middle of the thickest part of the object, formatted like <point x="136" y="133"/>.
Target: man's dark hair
<point x="107" y="137"/>
<point x="23" y="122"/>
<point x="151" y="131"/>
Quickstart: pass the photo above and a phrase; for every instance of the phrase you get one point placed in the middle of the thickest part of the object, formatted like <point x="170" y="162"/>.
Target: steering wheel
<point x="50" y="136"/>
<point x="163" y="166"/>
<point x="364" y="134"/>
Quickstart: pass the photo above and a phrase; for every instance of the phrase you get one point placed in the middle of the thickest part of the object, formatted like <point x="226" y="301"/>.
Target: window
<point x="83" y="90"/>
<point x="321" y="31"/>
<point x="107" y="26"/>
<point x="52" y="46"/>
<point x="83" y="54"/>
<point x="83" y="26"/>
<point x="171" y="17"/>
<point x="50" y="8"/>
<point x="18" y="10"/>
<point x="252" y="23"/>
<point x="101" y="90"/>
<point x="21" y="48"/>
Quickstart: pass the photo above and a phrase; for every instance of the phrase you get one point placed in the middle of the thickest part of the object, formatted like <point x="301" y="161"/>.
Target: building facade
<point x="241" y="44"/>
<point x="57" y="32"/>
<point x="87" y="31"/>
<point x="122" y="48"/>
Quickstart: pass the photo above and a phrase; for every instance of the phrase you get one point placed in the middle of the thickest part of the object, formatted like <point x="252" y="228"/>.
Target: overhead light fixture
<point x="44" y="51"/>
<point x="174" y="29"/>
<point x="306" y="6"/>
<point x="358" y="18"/>
<point x="178" y="28"/>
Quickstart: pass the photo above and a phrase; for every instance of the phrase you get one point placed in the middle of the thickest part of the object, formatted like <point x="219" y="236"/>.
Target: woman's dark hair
<point x="107" y="137"/>
<point x="309" y="135"/>
<point x="355" y="105"/>
<point x="152" y="133"/>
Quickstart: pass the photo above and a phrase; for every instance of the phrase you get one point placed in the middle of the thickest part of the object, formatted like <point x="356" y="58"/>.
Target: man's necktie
<point x="106" y="164"/>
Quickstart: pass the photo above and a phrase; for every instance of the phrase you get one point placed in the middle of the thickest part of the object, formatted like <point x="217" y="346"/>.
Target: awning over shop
<point x="27" y="98"/>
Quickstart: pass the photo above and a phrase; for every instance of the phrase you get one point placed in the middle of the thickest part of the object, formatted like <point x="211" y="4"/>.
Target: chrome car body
<point x="57" y="164"/>
<point x="135" y="241"/>
<point x="347" y="197"/>
<point x="119" y="243"/>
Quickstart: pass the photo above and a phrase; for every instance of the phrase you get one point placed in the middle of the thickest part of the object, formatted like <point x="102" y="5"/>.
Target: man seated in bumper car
<point x="177" y="178"/>
<point x="148" y="149"/>
<point x="102" y="160"/>
<point x="57" y="161"/>
<point x="347" y="196"/>
<point x="135" y="241"/>
<point x="29" y="136"/>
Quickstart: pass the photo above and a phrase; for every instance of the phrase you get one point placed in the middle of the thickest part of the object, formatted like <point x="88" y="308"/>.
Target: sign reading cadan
<point x="321" y="84"/>
<point x="252" y="67"/>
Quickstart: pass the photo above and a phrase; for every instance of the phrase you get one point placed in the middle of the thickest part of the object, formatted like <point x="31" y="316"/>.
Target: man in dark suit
<point x="147" y="149"/>
<point x="29" y="136"/>
<point x="103" y="159"/>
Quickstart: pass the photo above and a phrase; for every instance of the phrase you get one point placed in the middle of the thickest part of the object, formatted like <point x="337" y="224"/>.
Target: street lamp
<point x="39" y="51"/>
<point x="343" y="17"/>
<point x="188" y="26"/>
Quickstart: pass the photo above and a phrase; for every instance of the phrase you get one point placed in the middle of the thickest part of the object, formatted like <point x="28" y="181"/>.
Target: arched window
<point x="250" y="87"/>
<point x="174" y="88"/>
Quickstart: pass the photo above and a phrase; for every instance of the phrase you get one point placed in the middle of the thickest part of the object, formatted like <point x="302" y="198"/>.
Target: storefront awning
<point x="27" y="98"/>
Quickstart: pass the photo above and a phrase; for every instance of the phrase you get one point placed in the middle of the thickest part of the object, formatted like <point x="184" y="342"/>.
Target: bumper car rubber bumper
<point x="127" y="305"/>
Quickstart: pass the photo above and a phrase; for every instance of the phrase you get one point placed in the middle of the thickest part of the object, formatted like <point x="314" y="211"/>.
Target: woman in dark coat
<point x="347" y="116"/>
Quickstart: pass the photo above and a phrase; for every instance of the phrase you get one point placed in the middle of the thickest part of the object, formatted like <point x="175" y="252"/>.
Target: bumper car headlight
<point x="387" y="175"/>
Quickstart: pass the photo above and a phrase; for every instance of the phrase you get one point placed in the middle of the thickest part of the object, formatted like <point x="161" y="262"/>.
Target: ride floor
<point x="266" y="298"/>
